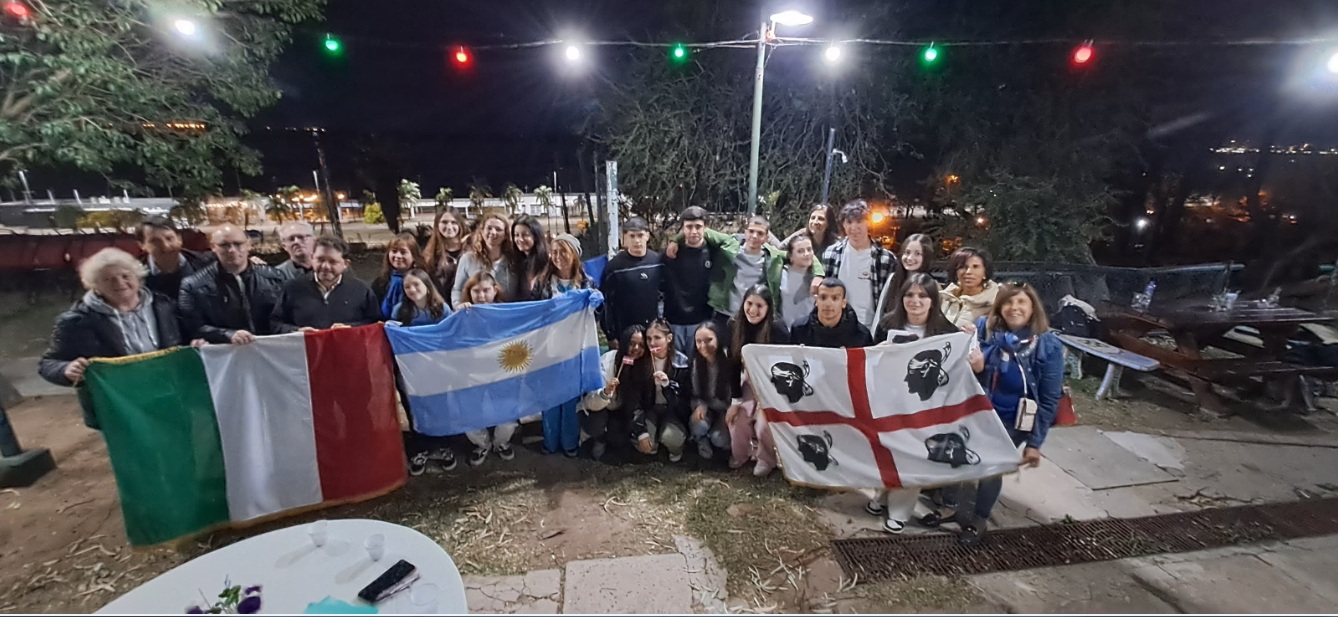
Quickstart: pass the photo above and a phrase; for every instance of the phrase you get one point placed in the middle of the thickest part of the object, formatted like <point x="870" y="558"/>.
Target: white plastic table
<point x="294" y="572"/>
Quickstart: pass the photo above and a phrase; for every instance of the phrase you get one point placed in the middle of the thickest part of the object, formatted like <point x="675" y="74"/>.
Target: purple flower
<point x="253" y="589"/>
<point x="194" y="610"/>
<point x="249" y="606"/>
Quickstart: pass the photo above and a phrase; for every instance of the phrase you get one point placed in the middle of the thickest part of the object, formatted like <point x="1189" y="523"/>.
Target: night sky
<point x="514" y="116"/>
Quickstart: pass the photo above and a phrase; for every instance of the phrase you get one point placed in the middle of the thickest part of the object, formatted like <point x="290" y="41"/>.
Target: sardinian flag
<point x="892" y="415"/>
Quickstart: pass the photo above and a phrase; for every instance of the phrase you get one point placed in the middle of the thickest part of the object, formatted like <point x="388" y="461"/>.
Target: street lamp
<point x="784" y="18"/>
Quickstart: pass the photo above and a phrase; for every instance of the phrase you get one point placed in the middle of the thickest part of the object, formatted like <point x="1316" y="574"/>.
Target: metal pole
<point x="757" y="119"/>
<point x="27" y="192"/>
<point x="332" y="205"/>
<point x="827" y="175"/>
<point x="611" y="179"/>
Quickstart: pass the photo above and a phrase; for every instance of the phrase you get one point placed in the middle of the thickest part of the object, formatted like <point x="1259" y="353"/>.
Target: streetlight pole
<point x="827" y="174"/>
<point x="787" y="18"/>
<point x="756" y="145"/>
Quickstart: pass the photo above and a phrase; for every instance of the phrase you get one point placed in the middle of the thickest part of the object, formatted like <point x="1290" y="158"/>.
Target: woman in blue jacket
<point x="1023" y="366"/>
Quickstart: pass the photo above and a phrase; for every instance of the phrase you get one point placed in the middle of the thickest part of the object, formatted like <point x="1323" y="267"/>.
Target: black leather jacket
<point x="82" y="332"/>
<point x="212" y="307"/>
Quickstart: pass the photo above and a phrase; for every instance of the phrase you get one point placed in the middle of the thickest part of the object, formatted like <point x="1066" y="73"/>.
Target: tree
<point x="444" y="197"/>
<point x="479" y="192"/>
<point x="409" y="194"/>
<point x="104" y="87"/>
<point x="545" y="197"/>
<point x="281" y="205"/>
<point x="512" y="195"/>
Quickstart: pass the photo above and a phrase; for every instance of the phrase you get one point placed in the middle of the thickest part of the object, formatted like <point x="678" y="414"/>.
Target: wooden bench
<point x="1116" y="361"/>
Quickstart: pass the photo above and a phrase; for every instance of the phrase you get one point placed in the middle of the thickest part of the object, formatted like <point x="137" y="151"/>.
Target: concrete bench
<point x="1116" y="361"/>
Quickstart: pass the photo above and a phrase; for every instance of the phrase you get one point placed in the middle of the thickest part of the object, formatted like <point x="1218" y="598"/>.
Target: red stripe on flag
<point x="859" y="397"/>
<point x="359" y="450"/>
<point x="922" y="419"/>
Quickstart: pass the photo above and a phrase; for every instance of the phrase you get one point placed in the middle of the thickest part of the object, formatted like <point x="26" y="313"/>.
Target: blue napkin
<point x="332" y="606"/>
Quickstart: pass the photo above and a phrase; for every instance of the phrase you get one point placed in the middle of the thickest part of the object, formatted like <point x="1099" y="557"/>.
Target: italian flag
<point x="201" y="439"/>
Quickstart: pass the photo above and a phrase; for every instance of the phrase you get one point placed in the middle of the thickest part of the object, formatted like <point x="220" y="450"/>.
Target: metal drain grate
<point x="1087" y="541"/>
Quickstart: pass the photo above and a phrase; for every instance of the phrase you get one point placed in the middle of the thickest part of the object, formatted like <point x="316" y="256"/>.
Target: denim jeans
<point x="989" y="489"/>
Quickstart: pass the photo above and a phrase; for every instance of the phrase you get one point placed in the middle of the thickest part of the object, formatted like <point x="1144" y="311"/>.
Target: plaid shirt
<point x="884" y="264"/>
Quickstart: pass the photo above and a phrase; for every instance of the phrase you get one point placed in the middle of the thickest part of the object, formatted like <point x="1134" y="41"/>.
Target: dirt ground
<point x="63" y="545"/>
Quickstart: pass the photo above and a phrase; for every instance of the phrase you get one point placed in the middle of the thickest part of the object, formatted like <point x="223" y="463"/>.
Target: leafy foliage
<point x="444" y="197"/>
<point x="107" y="87"/>
<point x="409" y="194"/>
<point x="68" y="216"/>
<point x="372" y="215"/>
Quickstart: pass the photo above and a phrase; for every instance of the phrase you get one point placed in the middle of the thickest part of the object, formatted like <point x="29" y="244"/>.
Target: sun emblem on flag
<point x="515" y="357"/>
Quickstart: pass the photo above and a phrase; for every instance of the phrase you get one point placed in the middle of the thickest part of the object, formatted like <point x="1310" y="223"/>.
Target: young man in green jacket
<point x="735" y="268"/>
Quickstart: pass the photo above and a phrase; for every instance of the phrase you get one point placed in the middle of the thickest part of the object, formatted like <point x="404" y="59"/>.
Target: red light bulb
<point x="17" y="10"/>
<point x="461" y="56"/>
<point x="1083" y="54"/>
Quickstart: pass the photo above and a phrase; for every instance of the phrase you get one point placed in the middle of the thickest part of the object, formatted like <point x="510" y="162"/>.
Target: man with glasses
<point x="299" y="241"/>
<point x="231" y="300"/>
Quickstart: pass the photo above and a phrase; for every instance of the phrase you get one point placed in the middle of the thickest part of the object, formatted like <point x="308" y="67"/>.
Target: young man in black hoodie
<point x="832" y="323"/>
<point x="631" y="282"/>
<point x="687" y="282"/>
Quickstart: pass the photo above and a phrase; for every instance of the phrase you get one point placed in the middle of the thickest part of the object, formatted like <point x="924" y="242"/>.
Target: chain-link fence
<point x="1093" y="284"/>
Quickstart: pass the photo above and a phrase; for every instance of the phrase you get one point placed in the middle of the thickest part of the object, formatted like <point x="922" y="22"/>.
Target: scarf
<point x="394" y="295"/>
<point x="138" y="326"/>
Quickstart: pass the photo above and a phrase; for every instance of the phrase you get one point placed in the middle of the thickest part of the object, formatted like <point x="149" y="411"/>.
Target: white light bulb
<point x="573" y="53"/>
<point x="185" y="27"/>
<point x="1333" y="63"/>
<point x="833" y="54"/>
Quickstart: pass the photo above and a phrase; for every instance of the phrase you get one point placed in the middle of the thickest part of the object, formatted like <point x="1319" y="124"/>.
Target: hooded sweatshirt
<point x="962" y="310"/>
<point x="848" y="332"/>
<point x="138" y="326"/>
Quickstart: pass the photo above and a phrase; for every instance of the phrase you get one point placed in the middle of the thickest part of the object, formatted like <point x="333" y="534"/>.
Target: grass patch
<point x="763" y="532"/>
<point x="921" y="594"/>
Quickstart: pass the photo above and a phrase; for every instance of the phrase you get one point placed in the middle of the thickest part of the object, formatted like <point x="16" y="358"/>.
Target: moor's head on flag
<point x="925" y="374"/>
<point x="788" y="378"/>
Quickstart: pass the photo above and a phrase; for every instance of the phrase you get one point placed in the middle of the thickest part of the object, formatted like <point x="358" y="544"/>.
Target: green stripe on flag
<point x="158" y="419"/>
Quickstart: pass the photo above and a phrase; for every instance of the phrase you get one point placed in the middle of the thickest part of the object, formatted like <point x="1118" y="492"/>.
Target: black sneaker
<point x="505" y="452"/>
<point x="477" y="457"/>
<point x="971" y="535"/>
<point x="875" y="507"/>
<point x="445" y="459"/>
<point x="418" y="464"/>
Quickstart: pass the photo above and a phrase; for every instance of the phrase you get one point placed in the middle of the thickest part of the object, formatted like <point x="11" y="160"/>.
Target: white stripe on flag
<point x="262" y="399"/>
<point x="437" y="372"/>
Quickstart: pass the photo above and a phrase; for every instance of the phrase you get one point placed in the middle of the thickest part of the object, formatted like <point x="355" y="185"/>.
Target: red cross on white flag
<point x="905" y="415"/>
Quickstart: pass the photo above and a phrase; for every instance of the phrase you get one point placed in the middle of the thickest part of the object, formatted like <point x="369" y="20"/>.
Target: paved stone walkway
<point x="1204" y="470"/>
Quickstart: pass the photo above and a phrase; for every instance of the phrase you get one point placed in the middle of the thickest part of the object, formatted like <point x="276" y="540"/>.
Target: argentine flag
<point x="497" y="363"/>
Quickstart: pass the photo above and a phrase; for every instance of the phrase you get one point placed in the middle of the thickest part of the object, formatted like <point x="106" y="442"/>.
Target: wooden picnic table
<point x="1195" y="326"/>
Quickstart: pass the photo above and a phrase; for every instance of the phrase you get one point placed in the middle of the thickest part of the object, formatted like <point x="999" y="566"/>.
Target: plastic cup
<point x="424" y="598"/>
<point x="376" y="546"/>
<point x="319" y="532"/>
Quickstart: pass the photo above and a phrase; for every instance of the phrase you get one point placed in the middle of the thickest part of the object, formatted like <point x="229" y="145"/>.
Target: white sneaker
<point x="675" y="457"/>
<point x="762" y="469"/>
<point x="893" y="526"/>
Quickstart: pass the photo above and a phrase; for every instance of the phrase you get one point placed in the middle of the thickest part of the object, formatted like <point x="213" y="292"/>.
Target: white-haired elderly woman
<point x="118" y="316"/>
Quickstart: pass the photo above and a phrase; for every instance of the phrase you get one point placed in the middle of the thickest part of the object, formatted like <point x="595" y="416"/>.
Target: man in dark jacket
<point x="328" y="299"/>
<point x="631" y="282"/>
<point x="832" y="323"/>
<point x="168" y="262"/>
<point x="299" y="241"/>
<point x="687" y="281"/>
<point x="231" y="300"/>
